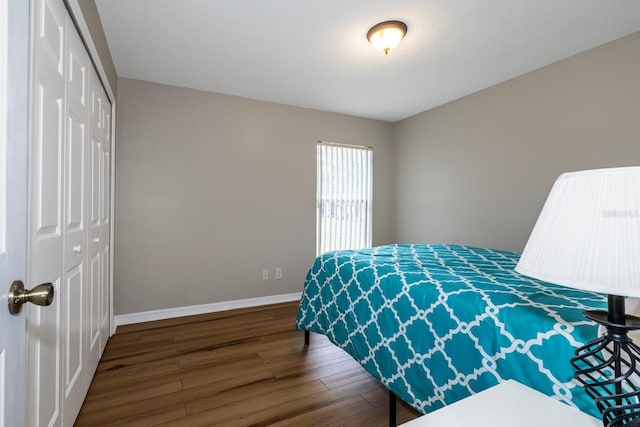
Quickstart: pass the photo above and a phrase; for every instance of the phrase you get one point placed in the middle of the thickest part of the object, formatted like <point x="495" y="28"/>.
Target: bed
<point x="437" y="323"/>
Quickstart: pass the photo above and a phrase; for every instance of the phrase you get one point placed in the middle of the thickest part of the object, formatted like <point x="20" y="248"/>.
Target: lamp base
<point x="608" y="367"/>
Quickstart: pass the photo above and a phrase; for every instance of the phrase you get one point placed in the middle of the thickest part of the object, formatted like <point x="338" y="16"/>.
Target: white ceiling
<point x="314" y="53"/>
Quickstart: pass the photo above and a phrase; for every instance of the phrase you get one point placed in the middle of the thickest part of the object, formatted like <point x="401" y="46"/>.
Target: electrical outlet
<point x="279" y="273"/>
<point x="265" y="274"/>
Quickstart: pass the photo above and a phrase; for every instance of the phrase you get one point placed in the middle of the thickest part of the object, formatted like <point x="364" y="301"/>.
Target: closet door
<point x="69" y="219"/>
<point x="105" y="232"/>
<point x="98" y="238"/>
<point x="46" y="211"/>
<point x="76" y="380"/>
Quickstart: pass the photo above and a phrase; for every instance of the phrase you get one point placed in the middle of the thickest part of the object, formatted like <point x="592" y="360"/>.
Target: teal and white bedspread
<point x="436" y="323"/>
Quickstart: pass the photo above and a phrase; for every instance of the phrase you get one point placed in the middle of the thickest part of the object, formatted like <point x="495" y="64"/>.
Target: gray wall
<point x="214" y="188"/>
<point x="477" y="170"/>
<point x="91" y="17"/>
<point x="211" y="189"/>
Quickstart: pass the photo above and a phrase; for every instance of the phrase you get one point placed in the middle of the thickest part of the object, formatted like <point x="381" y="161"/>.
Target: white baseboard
<point x="168" y="313"/>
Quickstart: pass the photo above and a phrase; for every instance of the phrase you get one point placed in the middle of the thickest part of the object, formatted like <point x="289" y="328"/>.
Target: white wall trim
<point x="168" y="313"/>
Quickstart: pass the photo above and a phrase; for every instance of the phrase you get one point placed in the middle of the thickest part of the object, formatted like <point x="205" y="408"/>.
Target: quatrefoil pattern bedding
<point x="436" y="323"/>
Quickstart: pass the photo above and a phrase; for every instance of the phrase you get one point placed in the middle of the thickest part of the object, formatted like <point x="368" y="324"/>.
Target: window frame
<point x="348" y="197"/>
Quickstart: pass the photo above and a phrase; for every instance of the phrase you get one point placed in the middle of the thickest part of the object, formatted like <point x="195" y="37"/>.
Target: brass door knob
<point x="18" y="295"/>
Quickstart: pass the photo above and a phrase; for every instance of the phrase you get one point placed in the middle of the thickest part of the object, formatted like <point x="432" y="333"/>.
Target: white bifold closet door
<point x="69" y="219"/>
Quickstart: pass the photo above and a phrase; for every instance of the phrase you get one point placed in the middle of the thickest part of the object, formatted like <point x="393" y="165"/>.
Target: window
<point x="343" y="197"/>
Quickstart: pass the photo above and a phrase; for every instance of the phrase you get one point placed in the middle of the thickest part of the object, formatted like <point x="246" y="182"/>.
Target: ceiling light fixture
<point x="386" y="35"/>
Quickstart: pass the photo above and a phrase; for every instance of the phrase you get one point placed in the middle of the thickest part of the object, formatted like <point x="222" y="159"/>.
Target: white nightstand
<point x="507" y="404"/>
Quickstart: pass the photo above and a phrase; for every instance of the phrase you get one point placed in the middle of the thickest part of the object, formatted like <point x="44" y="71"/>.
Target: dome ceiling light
<point x="386" y="35"/>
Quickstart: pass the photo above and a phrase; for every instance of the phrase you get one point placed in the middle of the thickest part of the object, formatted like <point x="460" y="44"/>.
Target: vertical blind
<point x="343" y="197"/>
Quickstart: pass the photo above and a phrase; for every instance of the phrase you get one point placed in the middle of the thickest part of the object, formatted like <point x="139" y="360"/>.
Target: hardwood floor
<point x="243" y="367"/>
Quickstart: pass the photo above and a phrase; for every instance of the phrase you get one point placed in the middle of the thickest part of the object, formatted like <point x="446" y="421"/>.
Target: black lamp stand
<point x="609" y="367"/>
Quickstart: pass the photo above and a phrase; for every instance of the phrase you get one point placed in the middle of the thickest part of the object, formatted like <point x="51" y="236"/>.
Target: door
<point x="44" y="199"/>
<point x="67" y="218"/>
<point x="76" y="374"/>
<point x="98" y="213"/>
<point x="45" y="352"/>
<point x="14" y="72"/>
<point x="43" y="214"/>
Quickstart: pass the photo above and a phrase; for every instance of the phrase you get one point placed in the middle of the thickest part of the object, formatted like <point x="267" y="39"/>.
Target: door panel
<point x="51" y="34"/>
<point x="104" y="298"/>
<point x="46" y="243"/>
<point x="99" y="202"/>
<point x="95" y="276"/>
<point x="73" y="331"/>
<point x="93" y="210"/>
<point x="94" y="198"/>
<point x="105" y="223"/>
<point x="75" y="232"/>
<point x="48" y="151"/>
<point x="43" y="342"/>
<point x="75" y="173"/>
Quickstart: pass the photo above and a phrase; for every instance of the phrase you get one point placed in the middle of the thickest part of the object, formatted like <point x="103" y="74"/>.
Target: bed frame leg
<point x="306" y="337"/>
<point x="392" y="409"/>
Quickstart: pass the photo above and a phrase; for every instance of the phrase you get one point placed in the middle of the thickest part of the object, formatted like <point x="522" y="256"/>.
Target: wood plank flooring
<point x="243" y="367"/>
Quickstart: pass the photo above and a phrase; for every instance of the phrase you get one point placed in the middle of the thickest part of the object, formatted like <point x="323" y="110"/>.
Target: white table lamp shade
<point x="588" y="233"/>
